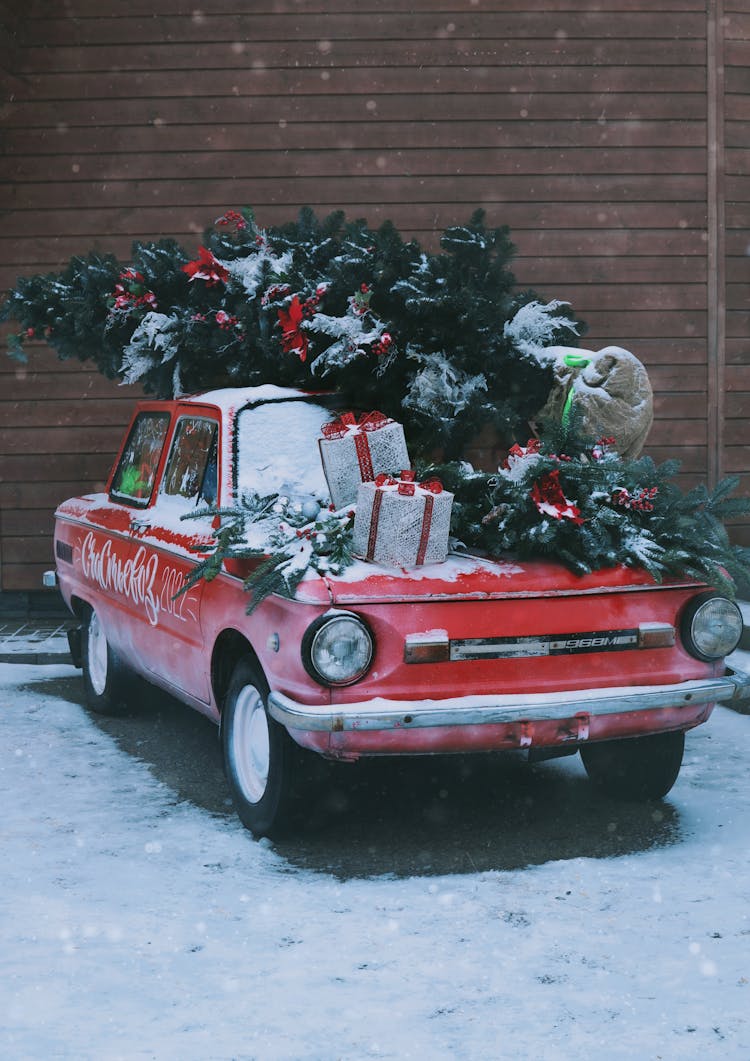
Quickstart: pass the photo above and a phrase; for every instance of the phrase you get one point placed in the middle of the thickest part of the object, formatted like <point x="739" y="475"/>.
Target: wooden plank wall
<point x="583" y="124"/>
<point x="736" y="27"/>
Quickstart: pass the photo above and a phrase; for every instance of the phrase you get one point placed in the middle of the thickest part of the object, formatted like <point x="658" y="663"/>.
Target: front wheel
<point x="635" y="768"/>
<point x="105" y="677"/>
<point x="264" y="767"/>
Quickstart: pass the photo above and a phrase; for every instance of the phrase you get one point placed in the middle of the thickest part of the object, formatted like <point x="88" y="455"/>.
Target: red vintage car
<point x="467" y="655"/>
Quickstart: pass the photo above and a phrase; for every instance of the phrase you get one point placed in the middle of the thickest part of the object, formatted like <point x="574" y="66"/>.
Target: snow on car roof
<point x="228" y="399"/>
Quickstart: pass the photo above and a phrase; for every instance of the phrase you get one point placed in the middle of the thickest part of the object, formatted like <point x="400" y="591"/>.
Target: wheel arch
<point x="230" y="647"/>
<point x="80" y="607"/>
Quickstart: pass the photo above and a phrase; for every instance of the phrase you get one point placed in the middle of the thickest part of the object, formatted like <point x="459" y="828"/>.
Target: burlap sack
<point x="610" y="388"/>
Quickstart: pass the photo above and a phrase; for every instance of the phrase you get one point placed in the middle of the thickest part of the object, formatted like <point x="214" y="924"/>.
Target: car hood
<point x="468" y="577"/>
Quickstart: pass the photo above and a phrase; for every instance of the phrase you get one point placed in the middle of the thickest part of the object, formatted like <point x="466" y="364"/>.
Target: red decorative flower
<point x="293" y="339"/>
<point x="206" y="267"/>
<point x="548" y="496"/>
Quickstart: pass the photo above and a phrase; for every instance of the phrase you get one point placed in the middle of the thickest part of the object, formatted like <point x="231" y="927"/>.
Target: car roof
<point x="229" y="399"/>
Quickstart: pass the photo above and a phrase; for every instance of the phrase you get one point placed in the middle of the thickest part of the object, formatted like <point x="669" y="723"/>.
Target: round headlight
<point x="712" y="627"/>
<point x="337" y="649"/>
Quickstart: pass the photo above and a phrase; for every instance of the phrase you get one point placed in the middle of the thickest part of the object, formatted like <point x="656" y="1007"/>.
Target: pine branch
<point x="569" y="498"/>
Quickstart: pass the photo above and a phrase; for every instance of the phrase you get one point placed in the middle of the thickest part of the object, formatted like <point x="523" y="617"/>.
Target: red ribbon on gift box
<point x="368" y="422"/>
<point x="406" y="486"/>
<point x="429" y="504"/>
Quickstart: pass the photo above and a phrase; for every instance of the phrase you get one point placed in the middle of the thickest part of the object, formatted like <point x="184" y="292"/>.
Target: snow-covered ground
<point x="136" y="926"/>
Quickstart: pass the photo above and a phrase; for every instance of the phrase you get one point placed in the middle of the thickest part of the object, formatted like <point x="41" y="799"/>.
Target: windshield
<point x="277" y="449"/>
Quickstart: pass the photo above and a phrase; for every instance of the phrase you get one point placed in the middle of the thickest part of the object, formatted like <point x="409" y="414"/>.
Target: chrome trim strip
<point x="380" y="713"/>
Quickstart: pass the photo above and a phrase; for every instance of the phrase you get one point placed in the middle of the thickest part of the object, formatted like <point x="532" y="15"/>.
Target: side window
<point x="192" y="465"/>
<point x="134" y="478"/>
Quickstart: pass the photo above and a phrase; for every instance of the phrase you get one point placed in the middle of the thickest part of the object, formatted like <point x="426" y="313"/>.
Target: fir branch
<point x="291" y="545"/>
<point x="230" y="537"/>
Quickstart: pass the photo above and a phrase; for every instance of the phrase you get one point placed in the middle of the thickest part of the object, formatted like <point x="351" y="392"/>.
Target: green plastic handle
<point x="576" y="360"/>
<point x="567" y="408"/>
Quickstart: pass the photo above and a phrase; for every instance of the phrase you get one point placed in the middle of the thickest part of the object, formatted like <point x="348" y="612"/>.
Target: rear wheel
<point x="105" y="677"/>
<point x="265" y="769"/>
<point x="637" y="768"/>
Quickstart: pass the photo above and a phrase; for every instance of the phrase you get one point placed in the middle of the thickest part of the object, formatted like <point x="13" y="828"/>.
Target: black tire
<point x="265" y="769"/>
<point x="105" y="676"/>
<point x="636" y="768"/>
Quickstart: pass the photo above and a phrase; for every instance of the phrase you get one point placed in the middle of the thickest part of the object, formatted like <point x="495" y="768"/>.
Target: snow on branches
<point x="537" y="325"/>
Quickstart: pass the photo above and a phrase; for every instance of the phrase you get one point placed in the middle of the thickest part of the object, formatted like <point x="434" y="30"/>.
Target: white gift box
<point x="355" y="452"/>
<point x="401" y="522"/>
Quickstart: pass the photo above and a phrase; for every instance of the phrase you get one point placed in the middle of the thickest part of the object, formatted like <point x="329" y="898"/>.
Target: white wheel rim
<point x="251" y="746"/>
<point x="97" y="655"/>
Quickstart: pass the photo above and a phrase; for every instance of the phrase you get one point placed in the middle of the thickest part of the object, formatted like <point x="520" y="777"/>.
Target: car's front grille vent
<point x="63" y="551"/>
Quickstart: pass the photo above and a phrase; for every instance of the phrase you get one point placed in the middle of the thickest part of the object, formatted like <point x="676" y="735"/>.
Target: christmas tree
<point x="440" y="341"/>
<point x="316" y="304"/>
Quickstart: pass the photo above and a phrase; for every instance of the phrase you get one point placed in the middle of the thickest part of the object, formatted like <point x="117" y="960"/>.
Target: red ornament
<point x="383" y="345"/>
<point x="232" y="217"/>
<point x="642" y="503"/>
<point x="224" y="320"/>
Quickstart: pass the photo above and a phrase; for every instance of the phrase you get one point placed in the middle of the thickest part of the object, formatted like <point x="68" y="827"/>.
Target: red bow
<point x="407" y="483"/>
<point x="367" y="422"/>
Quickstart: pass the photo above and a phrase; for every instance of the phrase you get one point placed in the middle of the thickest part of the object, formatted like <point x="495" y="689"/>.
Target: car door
<point x="116" y="574"/>
<point x="168" y="540"/>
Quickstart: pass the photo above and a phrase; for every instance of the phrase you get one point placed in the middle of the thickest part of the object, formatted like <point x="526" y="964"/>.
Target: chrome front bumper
<point x="382" y="714"/>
